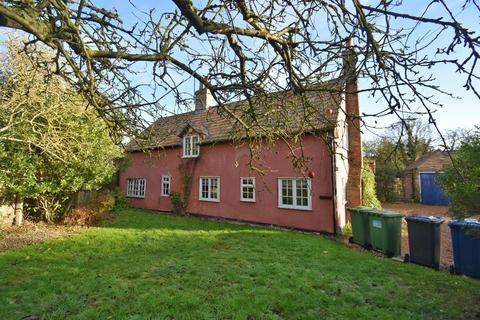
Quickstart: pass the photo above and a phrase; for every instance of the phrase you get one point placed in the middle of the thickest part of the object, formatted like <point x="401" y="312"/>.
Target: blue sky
<point x="463" y="112"/>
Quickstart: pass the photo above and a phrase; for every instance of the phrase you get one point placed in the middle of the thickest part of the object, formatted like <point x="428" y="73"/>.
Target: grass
<point x="150" y="266"/>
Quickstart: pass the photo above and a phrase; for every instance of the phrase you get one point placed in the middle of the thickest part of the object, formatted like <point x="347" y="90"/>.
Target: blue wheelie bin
<point x="466" y="247"/>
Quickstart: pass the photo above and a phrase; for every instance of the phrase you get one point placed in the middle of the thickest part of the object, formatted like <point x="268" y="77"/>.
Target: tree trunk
<point x="18" y="210"/>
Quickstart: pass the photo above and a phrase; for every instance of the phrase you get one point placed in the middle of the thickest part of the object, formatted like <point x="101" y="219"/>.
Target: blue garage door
<point x="431" y="192"/>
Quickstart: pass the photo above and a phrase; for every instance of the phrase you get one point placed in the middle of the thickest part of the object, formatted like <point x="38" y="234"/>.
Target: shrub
<point x="369" y="194"/>
<point x="120" y="200"/>
<point x="347" y="230"/>
<point x="461" y="183"/>
<point x="92" y="211"/>
<point x="177" y="202"/>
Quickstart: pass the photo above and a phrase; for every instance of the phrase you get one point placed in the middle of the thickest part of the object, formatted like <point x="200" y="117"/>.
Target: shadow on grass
<point x="142" y="219"/>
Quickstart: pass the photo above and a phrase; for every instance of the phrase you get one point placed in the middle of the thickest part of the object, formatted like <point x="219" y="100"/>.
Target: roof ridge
<point x="332" y="81"/>
<point x="422" y="159"/>
<point x="164" y="130"/>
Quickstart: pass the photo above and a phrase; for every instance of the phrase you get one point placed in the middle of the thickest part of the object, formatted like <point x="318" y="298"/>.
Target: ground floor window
<point x="209" y="188"/>
<point x="247" y="189"/>
<point x="136" y="188"/>
<point x="295" y="193"/>
<point x="165" y="186"/>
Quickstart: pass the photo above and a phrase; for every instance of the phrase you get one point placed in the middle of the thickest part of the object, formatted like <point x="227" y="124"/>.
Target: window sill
<point x="209" y="200"/>
<point x="248" y="200"/>
<point x="295" y="208"/>
<point x="165" y="195"/>
<point x="135" y="197"/>
<point x="190" y="156"/>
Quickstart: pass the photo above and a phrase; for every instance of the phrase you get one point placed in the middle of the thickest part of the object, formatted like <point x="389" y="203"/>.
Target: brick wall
<point x="436" y="161"/>
<point x="354" y="183"/>
<point x="410" y="185"/>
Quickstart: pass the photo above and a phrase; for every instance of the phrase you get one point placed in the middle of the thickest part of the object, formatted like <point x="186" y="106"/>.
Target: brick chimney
<point x="354" y="182"/>
<point x="203" y="98"/>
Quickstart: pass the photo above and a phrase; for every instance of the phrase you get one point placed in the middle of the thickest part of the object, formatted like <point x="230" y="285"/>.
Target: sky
<point x="460" y="112"/>
<point x="463" y="111"/>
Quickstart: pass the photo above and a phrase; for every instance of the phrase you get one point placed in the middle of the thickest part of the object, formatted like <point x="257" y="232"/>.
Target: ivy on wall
<point x="369" y="194"/>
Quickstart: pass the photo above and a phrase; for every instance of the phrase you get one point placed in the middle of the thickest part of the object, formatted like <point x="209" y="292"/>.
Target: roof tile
<point x="316" y="110"/>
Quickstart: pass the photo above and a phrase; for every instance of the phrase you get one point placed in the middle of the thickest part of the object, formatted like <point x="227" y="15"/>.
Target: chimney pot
<point x="203" y="99"/>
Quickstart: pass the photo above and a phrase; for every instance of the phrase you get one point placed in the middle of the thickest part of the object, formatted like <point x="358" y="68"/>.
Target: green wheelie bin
<point x="386" y="231"/>
<point x="360" y="228"/>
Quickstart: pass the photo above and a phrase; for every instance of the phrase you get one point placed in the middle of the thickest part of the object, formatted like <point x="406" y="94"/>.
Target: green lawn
<point x="150" y="266"/>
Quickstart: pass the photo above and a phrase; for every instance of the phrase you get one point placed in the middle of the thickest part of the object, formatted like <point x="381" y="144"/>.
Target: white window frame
<point x="294" y="193"/>
<point x="166" y="180"/>
<point x="243" y="185"/>
<point x="190" y="146"/>
<point x="209" y="189"/>
<point x="134" y="187"/>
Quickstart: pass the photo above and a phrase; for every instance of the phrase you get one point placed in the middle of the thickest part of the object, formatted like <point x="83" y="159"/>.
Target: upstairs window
<point x="191" y="147"/>
<point x="294" y="193"/>
<point x="165" y="186"/>
<point x="136" y="188"/>
<point x="247" y="189"/>
<point x="209" y="189"/>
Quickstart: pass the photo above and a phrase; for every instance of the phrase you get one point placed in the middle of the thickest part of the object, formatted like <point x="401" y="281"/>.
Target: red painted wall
<point x="231" y="163"/>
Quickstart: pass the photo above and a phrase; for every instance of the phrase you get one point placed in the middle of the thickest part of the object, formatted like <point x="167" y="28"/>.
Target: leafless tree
<point x="454" y="138"/>
<point x="240" y="49"/>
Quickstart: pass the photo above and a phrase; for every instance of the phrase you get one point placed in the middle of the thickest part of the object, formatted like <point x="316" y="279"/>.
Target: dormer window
<point x="191" y="148"/>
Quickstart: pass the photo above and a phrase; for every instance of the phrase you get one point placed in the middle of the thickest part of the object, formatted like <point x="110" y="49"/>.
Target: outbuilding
<point x="420" y="178"/>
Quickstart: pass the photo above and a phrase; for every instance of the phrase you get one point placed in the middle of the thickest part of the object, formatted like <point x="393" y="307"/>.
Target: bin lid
<point x="424" y="219"/>
<point x="471" y="223"/>
<point x="375" y="212"/>
<point x="385" y="214"/>
<point x="359" y="209"/>
<point x="391" y="214"/>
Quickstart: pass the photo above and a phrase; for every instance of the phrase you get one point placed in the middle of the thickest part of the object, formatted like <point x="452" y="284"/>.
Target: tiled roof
<point x="432" y="160"/>
<point x="316" y="110"/>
